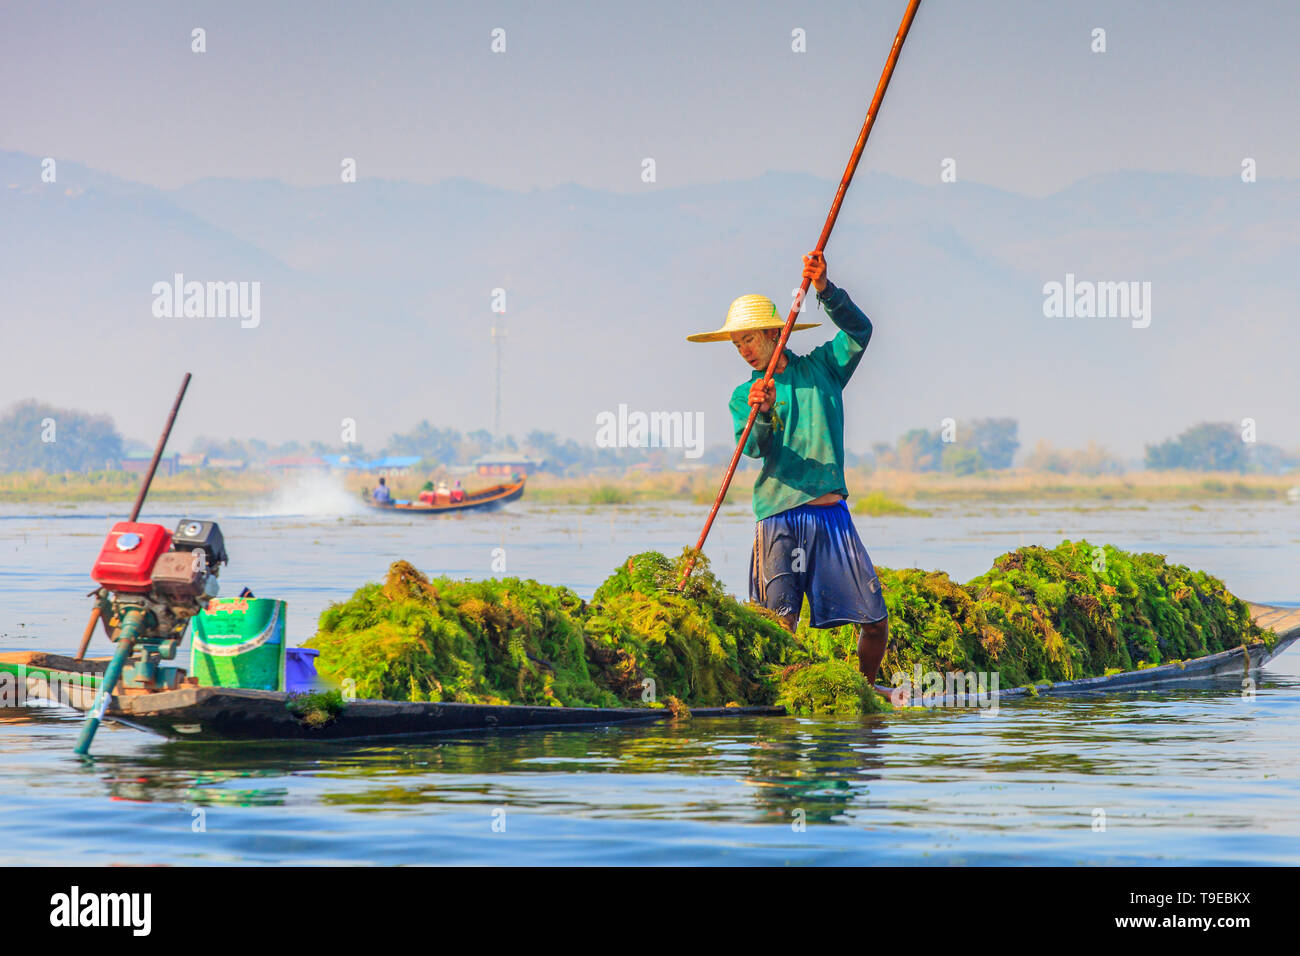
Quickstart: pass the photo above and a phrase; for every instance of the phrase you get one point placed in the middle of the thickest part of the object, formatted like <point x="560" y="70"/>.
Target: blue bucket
<point x="300" y="669"/>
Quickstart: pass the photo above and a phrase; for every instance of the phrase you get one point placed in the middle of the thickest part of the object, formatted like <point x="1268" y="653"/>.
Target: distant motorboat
<point x="485" y="500"/>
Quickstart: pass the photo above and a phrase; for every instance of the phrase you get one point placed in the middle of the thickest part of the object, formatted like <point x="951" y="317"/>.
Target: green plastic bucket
<point x="239" y="642"/>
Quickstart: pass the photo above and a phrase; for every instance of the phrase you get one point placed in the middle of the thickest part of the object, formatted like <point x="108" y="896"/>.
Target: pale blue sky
<point x="711" y="91"/>
<point x="1011" y="90"/>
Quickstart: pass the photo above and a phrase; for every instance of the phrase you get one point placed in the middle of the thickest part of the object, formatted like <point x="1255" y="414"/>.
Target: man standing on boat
<point x="805" y="542"/>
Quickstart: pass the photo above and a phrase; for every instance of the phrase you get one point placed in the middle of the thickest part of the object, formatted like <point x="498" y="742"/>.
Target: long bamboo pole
<point x="139" y="501"/>
<point x="872" y="111"/>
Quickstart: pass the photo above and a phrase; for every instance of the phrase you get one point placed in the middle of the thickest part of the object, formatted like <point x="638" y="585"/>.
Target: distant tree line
<point x="982" y="444"/>
<point x="254" y="449"/>
<point x="35" y="435"/>
<point x="450" y="447"/>
<point x="1218" y="446"/>
<point x="1093" y="460"/>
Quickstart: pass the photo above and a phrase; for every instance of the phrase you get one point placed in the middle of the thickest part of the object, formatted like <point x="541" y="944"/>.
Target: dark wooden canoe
<point x="218" y="713"/>
<point x="483" y="500"/>
<point x="225" y="713"/>
<point x="1236" y="662"/>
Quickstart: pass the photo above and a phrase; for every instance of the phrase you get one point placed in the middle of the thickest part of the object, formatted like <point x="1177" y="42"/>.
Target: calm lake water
<point x="1196" y="775"/>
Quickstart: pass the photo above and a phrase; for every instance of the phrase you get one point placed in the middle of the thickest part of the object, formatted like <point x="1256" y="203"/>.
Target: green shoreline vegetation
<point x="81" y="487"/>
<point x="1037" y="615"/>
<point x="877" y="504"/>
<point x="873" y="493"/>
<point x="47" y="452"/>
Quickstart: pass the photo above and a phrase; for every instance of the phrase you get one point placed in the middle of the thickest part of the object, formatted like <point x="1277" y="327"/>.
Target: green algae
<point x="1054" y="615"/>
<point x="833" y="687"/>
<point x="1037" y="617"/>
<point x="318" y="708"/>
<point x="700" y="645"/>
<point x="518" y="641"/>
<point x="479" y="642"/>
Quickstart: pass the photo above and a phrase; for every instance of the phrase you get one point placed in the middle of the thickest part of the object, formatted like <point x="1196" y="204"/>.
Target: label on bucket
<point x="239" y="642"/>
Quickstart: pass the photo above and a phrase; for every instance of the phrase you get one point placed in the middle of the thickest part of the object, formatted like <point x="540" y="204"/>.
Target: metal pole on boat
<point x="139" y="503"/>
<point x="130" y="627"/>
<point x="872" y="111"/>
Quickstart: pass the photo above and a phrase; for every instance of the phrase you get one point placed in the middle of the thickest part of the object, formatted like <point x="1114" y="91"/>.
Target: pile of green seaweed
<point x="1038" y="615"/>
<point x="638" y="642"/>
<point x="1042" y="614"/>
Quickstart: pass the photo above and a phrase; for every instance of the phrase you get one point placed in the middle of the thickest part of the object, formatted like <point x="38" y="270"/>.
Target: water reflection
<point x="1194" y="774"/>
<point x="828" y="769"/>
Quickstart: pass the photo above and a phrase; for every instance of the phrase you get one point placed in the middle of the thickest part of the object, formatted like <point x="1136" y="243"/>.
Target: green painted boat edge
<point x="38" y="673"/>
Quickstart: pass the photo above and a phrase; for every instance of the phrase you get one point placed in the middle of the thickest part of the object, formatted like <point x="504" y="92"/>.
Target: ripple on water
<point x="1193" y="776"/>
<point x="1190" y="776"/>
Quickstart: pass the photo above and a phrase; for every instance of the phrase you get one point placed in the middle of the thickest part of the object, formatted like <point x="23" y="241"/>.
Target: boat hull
<point x="230" y="714"/>
<point x="1236" y="662"/>
<point x="214" y="713"/>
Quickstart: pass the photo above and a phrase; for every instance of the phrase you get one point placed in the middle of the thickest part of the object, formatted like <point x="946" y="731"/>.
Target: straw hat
<point x="747" y="313"/>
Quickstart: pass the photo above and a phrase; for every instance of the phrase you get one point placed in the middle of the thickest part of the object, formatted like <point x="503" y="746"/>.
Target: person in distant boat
<point x="443" y="493"/>
<point x="380" y="493"/>
<point x="805" y="543"/>
<point x="426" y="493"/>
<point x="457" y="493"/>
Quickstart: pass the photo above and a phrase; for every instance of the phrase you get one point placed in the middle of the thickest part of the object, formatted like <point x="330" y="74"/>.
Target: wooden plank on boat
<point x="51" y="677"/>
<point x="1276" y="619"/>
<point x="39" y="660"/>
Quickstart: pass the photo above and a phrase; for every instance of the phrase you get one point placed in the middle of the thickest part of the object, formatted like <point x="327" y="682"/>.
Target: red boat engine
<point x="152" y="582"/>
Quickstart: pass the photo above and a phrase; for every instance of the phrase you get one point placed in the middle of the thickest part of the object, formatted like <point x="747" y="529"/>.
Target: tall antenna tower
<point x="498" y="347"/>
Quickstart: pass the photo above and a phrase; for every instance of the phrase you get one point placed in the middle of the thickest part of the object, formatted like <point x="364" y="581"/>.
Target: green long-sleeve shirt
<point x="801" y="441"/>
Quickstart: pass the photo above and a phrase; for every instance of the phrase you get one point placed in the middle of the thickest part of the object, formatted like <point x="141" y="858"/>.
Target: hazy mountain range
<point x="375" y="302"/>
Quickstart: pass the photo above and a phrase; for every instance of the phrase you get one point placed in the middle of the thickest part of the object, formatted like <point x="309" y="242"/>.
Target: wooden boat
<point x="219" y="713"/>
<point x="483" y="500"/>
<point x="227" y="713"/>
<point x="1237" y="662"/>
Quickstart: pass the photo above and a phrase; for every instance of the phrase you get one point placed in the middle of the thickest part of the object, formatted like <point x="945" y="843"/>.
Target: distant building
<point x="343" y="463"/>
<point x="227" y="464"/>
<point x="191" y="462"/>
<point x="388" y="465"/>
<point x="298" y="463"/>
<point x="395" y="464"/>
<point x="137" y="462"/>
<point x="505" y="464"/>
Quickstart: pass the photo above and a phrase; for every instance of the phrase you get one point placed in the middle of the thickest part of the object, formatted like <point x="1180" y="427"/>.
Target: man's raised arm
<point x="842" y="353"/>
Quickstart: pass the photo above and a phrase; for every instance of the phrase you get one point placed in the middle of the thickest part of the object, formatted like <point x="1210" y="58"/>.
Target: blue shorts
<point x="814" y="550"/>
